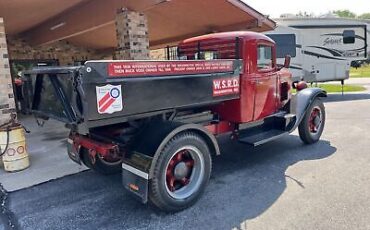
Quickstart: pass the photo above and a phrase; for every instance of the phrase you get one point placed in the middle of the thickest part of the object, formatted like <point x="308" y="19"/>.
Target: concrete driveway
<point x="281" y="185"/>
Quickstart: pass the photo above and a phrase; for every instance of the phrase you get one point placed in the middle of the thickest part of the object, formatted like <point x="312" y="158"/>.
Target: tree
<point x="304" y="14"/>
<point x="344" y="13"/>
<point x="364" y="16"/>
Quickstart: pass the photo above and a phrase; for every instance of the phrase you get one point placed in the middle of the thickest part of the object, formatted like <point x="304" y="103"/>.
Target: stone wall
<point x="132" y="44"/>
<point x="64" y="52"/>
<point x="158" y="54"/>
<point x="132" y="35"/>
<point x="7" y="104"/>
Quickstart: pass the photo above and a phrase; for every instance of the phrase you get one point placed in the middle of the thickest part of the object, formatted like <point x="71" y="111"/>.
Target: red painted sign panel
<point x="159" y="68"/>
<point x="225" y="86"/>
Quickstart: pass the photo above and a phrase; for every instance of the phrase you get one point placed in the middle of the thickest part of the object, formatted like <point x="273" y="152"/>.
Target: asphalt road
<point x="281" y="185"/>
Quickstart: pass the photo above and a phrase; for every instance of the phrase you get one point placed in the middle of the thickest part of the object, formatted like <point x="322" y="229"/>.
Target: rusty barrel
<point x="13" y="142"/>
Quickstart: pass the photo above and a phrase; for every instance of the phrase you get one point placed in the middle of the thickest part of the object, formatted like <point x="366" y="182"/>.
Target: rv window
<point x="349" y="36"/>
<point x="285" y="44"/>
<point x="264" y="57"/>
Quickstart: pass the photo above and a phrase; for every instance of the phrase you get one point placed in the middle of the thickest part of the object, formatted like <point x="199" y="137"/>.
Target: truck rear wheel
<point x="312" y="125"/>
<point x="181" y="172"/>
<point x="99" y="164"/>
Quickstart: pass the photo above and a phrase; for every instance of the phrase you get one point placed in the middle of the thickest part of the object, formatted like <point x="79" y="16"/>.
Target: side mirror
<point x="287" y="61"/>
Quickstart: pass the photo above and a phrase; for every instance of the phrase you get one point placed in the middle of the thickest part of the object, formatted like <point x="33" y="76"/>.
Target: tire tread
<point x="154" y="191"/>
<point x="303" y="131"/>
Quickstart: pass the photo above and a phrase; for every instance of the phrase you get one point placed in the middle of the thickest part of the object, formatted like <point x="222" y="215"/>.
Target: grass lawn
<point x="363" y="71"/>
<point x="336" y="88"/>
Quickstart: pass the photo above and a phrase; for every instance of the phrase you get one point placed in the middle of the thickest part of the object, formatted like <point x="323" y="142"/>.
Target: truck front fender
<point x="156" y="135"/>
<point x="302" y="101"/>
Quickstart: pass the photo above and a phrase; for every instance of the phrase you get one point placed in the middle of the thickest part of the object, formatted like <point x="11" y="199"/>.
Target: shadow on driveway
<point x="245" y="183"/>
<point x="347" y="97"/>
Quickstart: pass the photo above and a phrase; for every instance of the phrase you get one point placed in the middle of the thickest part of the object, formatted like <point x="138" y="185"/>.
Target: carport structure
<point x="69" y="32"/>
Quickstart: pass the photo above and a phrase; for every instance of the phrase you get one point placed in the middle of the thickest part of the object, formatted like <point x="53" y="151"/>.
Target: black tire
<point x="101" y="166"/>
<point x="307" y="133"/>
<point x="190" y="146"/>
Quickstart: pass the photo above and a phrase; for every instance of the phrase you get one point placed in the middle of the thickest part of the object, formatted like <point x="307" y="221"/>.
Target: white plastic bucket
<point x="15" y="157"/>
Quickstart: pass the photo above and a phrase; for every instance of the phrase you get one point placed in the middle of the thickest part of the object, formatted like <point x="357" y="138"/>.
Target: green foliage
<point x="350" y="14"/>
<point x="336" y="88"/>
<point x="344" y="13"/>
<point x="361" y="72"/>
<point x="304" y="14"/>
<point x="364" y="16"/>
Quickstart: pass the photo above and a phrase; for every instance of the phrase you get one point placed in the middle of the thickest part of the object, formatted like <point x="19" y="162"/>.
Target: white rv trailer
<point x="322" y="49"/>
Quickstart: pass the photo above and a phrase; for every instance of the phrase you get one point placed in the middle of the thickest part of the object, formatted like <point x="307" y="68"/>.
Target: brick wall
<point x="63" y="51"/>
<point x="7" y="104"/>
<point x="132" y="39"/>
<point x="158" y="54"/>
<point x="132" y="35"/>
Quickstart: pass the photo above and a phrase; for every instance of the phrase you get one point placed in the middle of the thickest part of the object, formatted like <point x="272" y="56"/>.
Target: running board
<point x="262" y="137"/>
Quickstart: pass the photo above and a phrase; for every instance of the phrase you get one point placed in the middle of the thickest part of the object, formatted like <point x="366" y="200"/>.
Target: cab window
<point x="264" y="57"/>
<point x="207" y="55"/>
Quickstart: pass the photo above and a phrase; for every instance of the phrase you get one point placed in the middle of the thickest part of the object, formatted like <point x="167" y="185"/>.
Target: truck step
<point x="261" y="137"/>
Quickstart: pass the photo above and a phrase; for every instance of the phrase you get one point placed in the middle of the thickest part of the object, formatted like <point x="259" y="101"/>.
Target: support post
<point x="132" y="35"/>
<point x="168" y="52"/>
<point x="7" y="103"/>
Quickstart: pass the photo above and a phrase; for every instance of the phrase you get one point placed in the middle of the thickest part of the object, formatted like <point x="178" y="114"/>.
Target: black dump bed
<point x="108" y="92"/>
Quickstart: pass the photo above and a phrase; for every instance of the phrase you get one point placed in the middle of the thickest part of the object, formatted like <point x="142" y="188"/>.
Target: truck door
<point x="265" y="82"/>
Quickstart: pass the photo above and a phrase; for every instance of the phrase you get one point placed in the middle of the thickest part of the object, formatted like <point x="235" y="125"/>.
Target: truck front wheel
<point x="312" y="125"/>
<point x="181" y="172"/>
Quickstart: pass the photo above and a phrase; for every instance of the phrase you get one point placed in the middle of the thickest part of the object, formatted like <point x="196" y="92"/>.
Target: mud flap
<point x="135" y="176"/>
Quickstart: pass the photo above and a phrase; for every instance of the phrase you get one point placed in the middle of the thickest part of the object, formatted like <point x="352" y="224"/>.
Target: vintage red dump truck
<point x="157" y="121"/>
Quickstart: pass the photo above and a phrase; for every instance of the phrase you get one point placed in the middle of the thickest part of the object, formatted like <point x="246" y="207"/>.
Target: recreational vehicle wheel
<point x="99" y="164"/>
<point x="312" y="125"/>
<point x="181" y="172"/>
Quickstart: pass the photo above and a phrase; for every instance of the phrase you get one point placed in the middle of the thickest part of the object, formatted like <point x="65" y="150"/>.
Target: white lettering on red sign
<point x="225" y="86"/>
<point x="158" y="68"/>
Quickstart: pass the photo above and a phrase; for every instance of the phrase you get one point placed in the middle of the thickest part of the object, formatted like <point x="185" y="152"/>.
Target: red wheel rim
<point x="315" y="120"/>
<point x="179" y="170"/>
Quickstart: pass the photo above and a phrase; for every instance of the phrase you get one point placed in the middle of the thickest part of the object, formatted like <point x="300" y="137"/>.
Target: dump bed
<point x="108" y="92"/>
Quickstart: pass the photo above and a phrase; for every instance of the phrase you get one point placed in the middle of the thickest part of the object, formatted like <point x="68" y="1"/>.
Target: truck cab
<point x="264" y="86"/>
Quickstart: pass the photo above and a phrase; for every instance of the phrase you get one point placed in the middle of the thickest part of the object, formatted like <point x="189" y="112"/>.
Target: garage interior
<point x="69" y="33"/>
<point x="54" y="33"/>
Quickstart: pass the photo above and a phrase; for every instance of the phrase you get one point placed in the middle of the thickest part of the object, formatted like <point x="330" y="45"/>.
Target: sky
<point x="276" y="8"/>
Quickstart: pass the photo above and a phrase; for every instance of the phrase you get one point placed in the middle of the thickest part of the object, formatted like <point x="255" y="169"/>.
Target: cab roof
<point x="245" y="35"/>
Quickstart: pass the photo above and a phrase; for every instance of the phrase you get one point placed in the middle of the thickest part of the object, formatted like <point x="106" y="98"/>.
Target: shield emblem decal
<point x="109" y="99"/>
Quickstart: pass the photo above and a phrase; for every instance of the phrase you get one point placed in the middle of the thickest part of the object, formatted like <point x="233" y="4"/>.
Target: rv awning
<point x="90" y="23"/>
